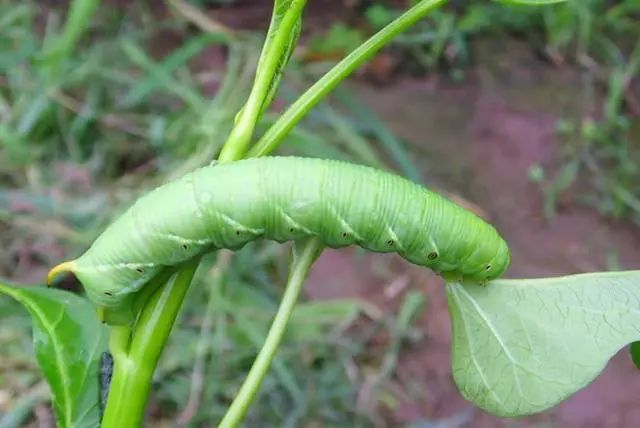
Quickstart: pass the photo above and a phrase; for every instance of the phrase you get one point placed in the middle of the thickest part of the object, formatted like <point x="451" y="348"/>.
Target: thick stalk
<point x="304" y="256"/>
<point x="135" y="358"/>
<point x="337" y="74"/>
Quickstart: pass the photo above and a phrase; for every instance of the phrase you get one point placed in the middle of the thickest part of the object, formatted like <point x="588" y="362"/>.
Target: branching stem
<point x="136" y="354"/>
<point x="272" y="138"/>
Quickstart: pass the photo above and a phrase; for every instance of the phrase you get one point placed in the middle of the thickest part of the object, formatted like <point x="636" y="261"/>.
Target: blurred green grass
<point x="145" y="96"/>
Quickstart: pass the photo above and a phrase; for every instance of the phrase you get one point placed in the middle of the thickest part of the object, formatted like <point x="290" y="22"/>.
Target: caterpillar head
<point x="493" y="265"/>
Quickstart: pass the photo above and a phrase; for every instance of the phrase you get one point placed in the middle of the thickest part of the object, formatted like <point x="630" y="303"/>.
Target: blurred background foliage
<point x="150" y="92"/>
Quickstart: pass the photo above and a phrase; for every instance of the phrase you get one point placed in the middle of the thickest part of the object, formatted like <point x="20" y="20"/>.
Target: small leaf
<point x="522" y="346"/>
<point x="68" y="341"/>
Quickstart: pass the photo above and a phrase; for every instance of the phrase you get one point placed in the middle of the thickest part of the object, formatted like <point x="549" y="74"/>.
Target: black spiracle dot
<point x="345" y="234"/>
<point x="292" y="230"/>
<point x="390" y="242"/>
<point x="139" y="270"/>
<point x="237" y="232"/>
<point x="108" y="293"/>
<point x="185" y="247"/>
<point x="487" y="268"/>
<point x="432" y="255"/>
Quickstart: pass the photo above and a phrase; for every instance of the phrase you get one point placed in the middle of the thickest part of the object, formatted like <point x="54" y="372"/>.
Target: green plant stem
<point x="135" y="357"/>
<point x="337" y="74"/>
<point x="240" y="137"/>
<point x="119" y="339"/>
<point x="300" y="266"/>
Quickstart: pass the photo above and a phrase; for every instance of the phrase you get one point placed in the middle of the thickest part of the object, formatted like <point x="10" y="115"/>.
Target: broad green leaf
<point x="522" y="346"/>
<point x="68" y="341"/>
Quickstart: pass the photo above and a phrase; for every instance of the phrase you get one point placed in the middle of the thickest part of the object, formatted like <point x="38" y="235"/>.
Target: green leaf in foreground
<point x="521" y="346"/>
<point x="68" y="341"/>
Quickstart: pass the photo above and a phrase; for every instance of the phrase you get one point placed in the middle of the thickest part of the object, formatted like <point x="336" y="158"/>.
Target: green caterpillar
<point x="283" y="199"/>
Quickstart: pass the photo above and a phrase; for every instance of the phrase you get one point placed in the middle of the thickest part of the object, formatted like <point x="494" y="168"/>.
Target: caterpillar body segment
<point x="285" y="198"/>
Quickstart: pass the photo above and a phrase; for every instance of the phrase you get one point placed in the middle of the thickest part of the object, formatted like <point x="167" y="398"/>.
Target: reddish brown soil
<point x="479" y="140"/>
